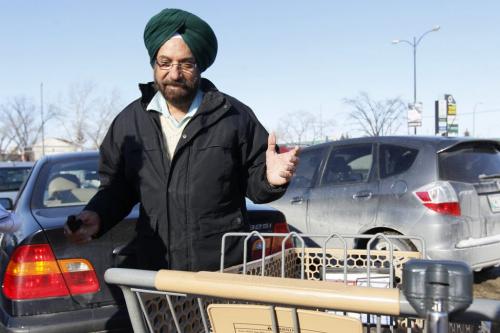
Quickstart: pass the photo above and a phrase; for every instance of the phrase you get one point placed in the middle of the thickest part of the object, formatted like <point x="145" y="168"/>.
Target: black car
<point x="51" y="285"/>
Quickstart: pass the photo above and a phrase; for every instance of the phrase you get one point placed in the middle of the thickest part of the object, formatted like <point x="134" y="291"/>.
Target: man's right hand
<point x="91" y="223"/>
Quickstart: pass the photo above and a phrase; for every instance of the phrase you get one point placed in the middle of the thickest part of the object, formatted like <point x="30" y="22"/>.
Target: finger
<point x="83" y="240"/>
<point x="271" y="142"/>
<point x="285" y="174"/>
<point x="82" y="236"/>
<point x="295" y="151"/>
<point x="67" y="231"/>
<point x="294" y="160"/>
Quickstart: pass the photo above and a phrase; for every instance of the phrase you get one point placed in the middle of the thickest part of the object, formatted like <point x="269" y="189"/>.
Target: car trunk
<point x="114" y="249"/>
<point x="473" y="169"/>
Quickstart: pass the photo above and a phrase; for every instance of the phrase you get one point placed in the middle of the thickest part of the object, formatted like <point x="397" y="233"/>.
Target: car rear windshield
<point x="11" y="179"/>
<point x="70" y="183"/>
<point x="469" y="162"/>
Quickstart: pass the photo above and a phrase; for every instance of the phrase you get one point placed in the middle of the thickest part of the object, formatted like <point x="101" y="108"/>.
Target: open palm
<point x="280" y="167"/>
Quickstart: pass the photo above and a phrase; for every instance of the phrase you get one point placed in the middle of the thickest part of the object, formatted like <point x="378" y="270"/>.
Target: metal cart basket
<point x="329" y="288"/>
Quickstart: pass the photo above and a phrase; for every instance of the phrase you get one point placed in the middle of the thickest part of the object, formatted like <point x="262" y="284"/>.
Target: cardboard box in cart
<point x="359" y="277"/>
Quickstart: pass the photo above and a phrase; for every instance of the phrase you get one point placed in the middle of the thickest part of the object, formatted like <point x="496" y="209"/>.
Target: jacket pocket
<point x="216" y="225"/>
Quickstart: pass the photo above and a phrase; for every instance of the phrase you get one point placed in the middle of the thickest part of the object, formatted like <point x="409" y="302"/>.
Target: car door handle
<point x="297" y="200"/>
<point x="363" y="195"/>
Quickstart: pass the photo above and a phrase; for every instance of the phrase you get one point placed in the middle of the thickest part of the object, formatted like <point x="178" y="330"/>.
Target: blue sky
<point x="275" y="56"/>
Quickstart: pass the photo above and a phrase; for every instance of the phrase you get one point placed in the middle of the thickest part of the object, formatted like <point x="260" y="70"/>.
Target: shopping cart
<point x="330" y="288"/>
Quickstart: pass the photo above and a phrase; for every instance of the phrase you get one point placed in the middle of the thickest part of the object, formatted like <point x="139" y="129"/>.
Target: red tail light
<point x="273" y="244"/>
<point x="276" y="242"/>
<point x="439" y="197"/>
<point x="33" y="272"/>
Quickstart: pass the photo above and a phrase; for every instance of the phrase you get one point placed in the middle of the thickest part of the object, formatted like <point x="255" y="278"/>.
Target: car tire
<point x="382" y="244"/>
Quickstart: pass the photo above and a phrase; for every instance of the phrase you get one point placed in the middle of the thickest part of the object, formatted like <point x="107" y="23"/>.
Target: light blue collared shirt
<point x="159" y="104"/>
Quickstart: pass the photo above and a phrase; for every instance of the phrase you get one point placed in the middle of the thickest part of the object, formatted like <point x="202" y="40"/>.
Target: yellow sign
<point x="452" y="109"/>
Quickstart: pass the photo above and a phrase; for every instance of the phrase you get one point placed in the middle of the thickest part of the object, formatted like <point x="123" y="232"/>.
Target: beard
<point x="179" y="93"/>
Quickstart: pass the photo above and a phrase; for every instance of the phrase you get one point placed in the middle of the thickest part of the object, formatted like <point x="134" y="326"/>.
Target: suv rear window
<point x="466" y="162"/>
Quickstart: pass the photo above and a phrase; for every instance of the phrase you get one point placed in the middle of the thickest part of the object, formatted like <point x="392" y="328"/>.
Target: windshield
<point x="468" y="163"/>
<point x="12" y="178"/>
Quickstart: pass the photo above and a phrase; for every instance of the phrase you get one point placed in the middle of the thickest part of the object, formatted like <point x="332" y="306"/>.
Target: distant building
<point x="53" y="146"/>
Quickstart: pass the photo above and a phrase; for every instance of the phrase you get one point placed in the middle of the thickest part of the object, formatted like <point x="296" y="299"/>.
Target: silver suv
<point x="446" y="190"/>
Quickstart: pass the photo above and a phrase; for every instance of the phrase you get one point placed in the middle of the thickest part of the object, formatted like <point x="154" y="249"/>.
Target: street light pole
<point x="43" y="119"/>
<point x="414" y="75"/>
<point x="414" y="45"/>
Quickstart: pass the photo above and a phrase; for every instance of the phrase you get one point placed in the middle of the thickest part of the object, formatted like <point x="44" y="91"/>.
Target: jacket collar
<point x="212" y="108"/>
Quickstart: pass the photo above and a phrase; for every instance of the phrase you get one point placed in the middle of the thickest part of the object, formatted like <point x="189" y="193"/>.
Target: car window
<point x="70" y="183"/>
<point x="467" y="162"/>
<point x="11" y="179"/>
<point x="349" y="165"/>
<point x="307" y="169"/>
<point x="395" y="159"/>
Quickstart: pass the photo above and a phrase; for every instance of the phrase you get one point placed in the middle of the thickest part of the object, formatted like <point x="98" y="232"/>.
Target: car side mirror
<point x="7" y="203"/>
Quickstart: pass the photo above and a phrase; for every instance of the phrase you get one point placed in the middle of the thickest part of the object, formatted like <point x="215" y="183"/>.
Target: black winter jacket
<point x="189" y="202"/>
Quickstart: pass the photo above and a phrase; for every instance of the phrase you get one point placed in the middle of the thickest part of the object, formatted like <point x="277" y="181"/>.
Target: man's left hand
<point x="280" y="167"/>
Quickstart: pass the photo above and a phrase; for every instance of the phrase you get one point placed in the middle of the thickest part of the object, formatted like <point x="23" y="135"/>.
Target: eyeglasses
<point x="185" y="67"/>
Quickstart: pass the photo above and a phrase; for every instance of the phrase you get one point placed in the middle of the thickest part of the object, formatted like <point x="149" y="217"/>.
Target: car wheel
<point x="397" y="244"/>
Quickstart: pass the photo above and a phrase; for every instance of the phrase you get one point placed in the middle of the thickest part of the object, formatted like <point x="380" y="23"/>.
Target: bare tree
<point x="5" y="136"/>
<point x="376" y="118"/>
<point x="86" y="114"/>
<point x="300" y="126"/>
<point x="322" y="128"/>
<point x="105" y="110"/>
<point x="295" y="126"/>
<point x="75" y="111"/>
<point x="21" y="125"/>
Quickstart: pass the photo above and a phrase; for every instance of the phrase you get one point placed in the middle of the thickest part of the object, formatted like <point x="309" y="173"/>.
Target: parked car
<point x="12" y="176"/>
<point x="51" y="285"/>
<point x="7" y="222"/>
<point x="446" y="190"/>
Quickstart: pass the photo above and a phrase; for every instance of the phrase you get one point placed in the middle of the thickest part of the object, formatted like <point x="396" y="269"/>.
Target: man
<point x="188" y="153"/>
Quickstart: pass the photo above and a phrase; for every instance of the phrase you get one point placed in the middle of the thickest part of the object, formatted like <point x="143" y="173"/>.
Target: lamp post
<point x="414" y="44"/>
<point x="43" y="119"/>
<point x="474" y="118"/>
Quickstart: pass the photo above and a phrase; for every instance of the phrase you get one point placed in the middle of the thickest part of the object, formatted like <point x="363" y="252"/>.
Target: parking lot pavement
<point x="487" y="283"/>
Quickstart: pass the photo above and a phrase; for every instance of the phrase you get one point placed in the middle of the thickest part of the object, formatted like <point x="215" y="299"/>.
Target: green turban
<point x="195" y="32"/>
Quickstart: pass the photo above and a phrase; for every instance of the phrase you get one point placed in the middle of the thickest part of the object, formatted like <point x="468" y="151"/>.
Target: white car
<point x="12" y="177"/>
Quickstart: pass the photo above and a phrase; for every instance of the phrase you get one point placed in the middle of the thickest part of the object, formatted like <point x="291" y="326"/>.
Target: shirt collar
<point x="159" y="104"/>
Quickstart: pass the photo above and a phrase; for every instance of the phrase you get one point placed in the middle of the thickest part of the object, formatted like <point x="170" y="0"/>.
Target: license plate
<point x="494" y="201"/>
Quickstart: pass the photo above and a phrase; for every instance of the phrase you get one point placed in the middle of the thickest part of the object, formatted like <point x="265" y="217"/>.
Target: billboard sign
<point x="451" y="106"/>
<point x="415" y="114"/>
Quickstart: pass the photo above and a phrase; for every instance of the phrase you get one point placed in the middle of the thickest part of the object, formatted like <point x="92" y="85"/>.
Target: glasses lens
<point x="183" y="66"/>
<point x="187" y="66"/>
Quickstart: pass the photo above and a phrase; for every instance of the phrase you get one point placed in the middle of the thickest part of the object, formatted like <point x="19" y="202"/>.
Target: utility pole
<point x="43" y="119"/>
